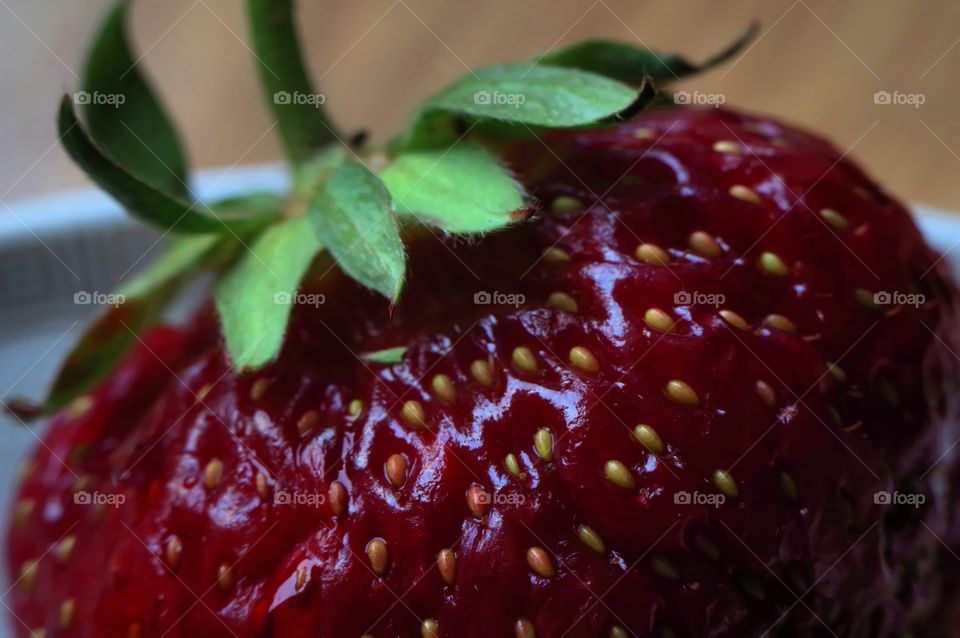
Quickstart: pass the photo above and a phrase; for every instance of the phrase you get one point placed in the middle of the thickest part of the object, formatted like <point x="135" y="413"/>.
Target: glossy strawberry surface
<point x="672" y="403"/>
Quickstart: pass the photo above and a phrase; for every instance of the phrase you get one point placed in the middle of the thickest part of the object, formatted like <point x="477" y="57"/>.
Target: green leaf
<point x="255" y="297"/>
<point x="122" y="112"/>
<point x="139" y="198"/>
<point x="462" y="189"/>
<point x="309" y="176"/>
<point x="536" y="95"/>
<point x="293" y="99"/>
<point x="254" y="209"/>
<point x="632" y="65"/>
<point x="112" y="334"/>
<point x="529" y="94"/>
<point x="352" y="216"/>
<point x="386" y="356"/>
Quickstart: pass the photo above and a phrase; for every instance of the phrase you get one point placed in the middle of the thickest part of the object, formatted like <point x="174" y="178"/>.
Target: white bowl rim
<point x="68" y="210"/>
<point x="88" y="206"/>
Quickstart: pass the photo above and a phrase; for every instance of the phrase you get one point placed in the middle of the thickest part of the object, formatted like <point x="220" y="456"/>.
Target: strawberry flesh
<point x="287" y="537"/>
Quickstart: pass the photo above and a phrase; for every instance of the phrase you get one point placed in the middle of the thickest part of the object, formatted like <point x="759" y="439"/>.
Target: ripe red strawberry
<point x="680" y="428"/>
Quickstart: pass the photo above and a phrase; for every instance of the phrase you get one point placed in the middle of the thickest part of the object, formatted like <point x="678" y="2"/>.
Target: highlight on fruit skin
<point x="342" y="442"/>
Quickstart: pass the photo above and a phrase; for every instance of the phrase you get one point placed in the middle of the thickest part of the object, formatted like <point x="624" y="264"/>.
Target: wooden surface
<point x="818" y="63"/>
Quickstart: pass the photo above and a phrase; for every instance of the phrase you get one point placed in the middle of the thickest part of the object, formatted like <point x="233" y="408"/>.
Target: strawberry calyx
<point x="352" y="202"/>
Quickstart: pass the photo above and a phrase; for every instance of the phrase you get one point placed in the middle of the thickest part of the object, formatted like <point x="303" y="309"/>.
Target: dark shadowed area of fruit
<point x="688" y="409"/>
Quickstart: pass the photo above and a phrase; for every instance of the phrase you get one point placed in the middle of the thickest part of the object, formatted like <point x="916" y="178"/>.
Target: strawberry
<point x="697" y="383"/>
<point x="679" y="430"/>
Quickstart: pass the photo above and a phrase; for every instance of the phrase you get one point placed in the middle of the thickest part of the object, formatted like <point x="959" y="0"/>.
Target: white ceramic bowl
<point x="55" y="246"/>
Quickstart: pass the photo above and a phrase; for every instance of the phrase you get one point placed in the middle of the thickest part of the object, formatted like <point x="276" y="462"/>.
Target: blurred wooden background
<point x="818" y="63"/>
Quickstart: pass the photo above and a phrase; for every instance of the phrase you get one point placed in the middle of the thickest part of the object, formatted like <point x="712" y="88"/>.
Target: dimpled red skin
<point x="300" y="569"/>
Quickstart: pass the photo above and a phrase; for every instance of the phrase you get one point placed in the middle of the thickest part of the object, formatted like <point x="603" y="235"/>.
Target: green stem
<point x="290" y="94"/>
